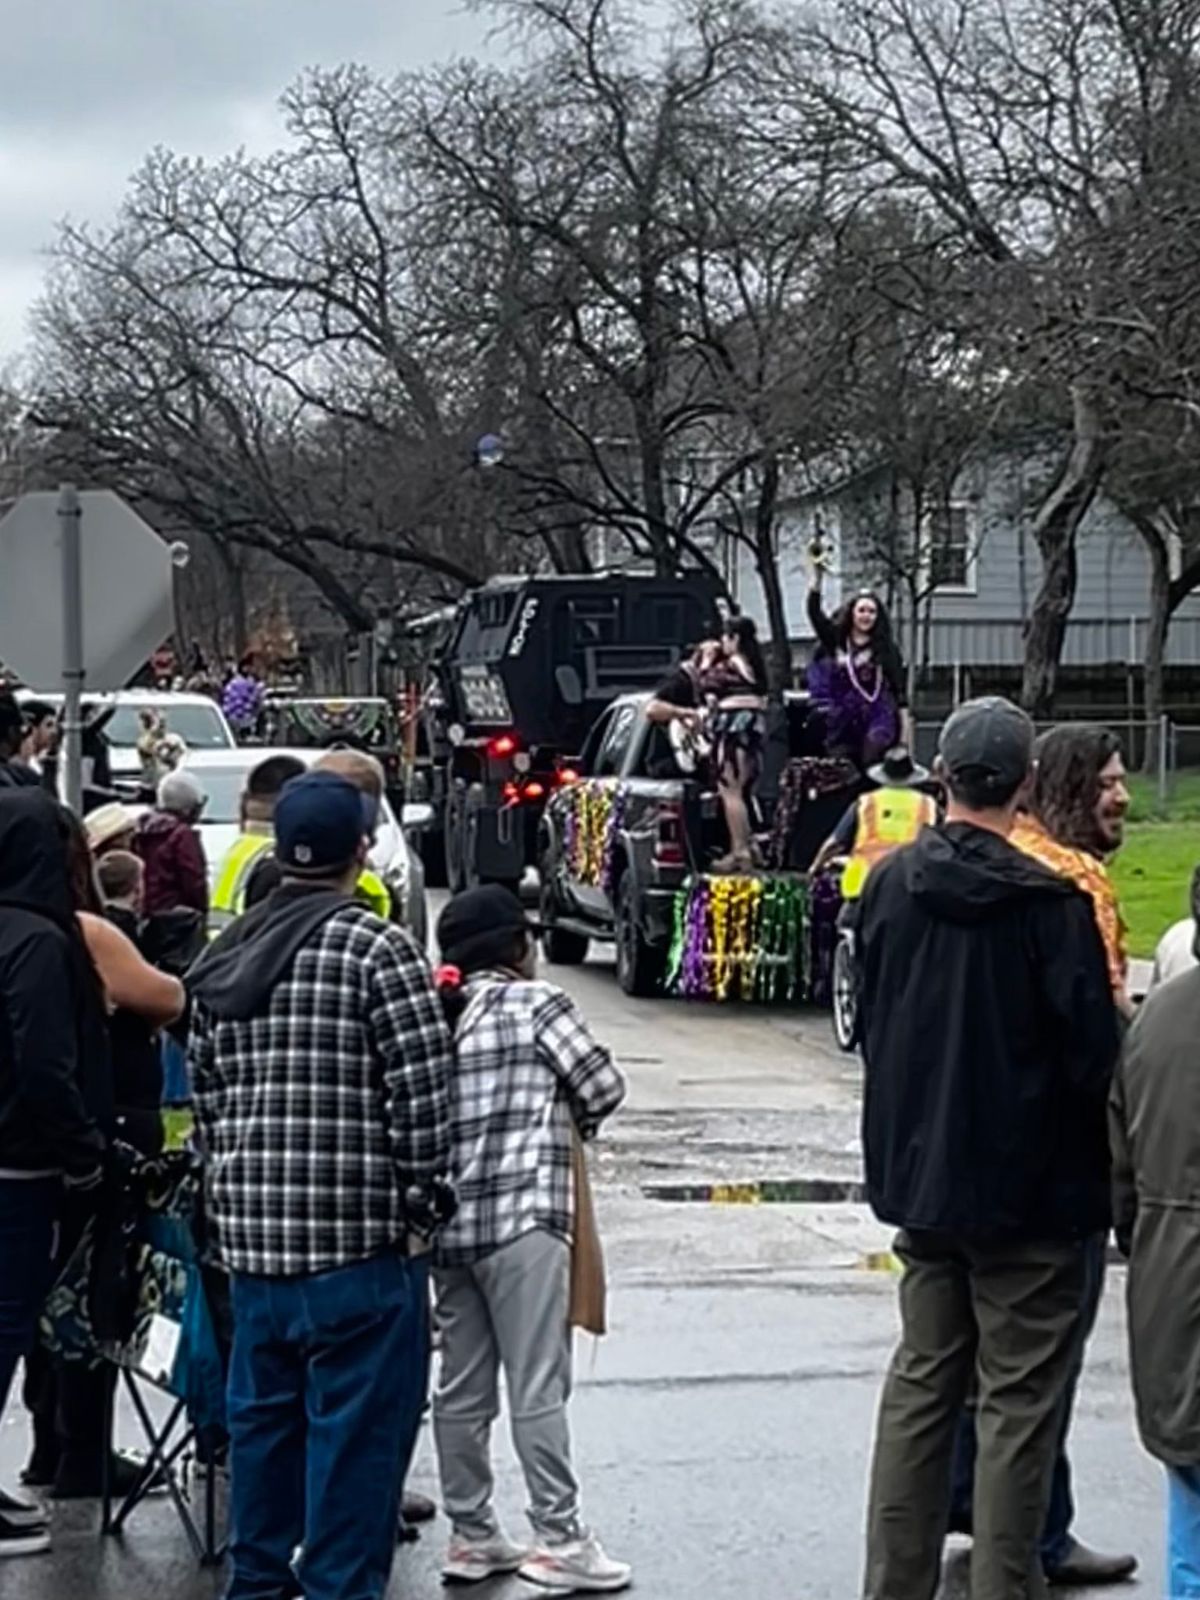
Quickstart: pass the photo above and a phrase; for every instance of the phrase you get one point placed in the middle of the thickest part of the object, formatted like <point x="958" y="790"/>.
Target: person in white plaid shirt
<point x="320" y="1060"/>
<point x="528" y="1074"/>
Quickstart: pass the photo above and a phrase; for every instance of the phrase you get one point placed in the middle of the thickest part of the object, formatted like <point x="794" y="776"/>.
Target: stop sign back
<point x="127" y="589"/>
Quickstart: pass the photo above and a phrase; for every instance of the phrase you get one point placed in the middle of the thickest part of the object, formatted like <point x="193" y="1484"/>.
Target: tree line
<point x="683" y="267"/>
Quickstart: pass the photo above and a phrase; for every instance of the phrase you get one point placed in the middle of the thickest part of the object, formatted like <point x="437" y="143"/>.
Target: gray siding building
<point x="977" y="569"/>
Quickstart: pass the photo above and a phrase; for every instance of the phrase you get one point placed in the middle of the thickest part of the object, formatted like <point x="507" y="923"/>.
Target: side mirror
<point x="569" y="685"/>
<point x="416" y="816"/>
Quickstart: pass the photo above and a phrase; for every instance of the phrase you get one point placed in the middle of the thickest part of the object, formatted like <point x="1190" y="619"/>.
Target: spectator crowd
<point x="376" y="1135"/>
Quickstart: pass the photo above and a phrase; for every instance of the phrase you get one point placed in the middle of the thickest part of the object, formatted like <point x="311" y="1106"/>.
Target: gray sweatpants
<point x="507" y="1311"/>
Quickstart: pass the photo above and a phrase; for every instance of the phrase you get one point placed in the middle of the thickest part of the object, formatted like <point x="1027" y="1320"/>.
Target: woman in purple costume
<point x="856" y="678"/>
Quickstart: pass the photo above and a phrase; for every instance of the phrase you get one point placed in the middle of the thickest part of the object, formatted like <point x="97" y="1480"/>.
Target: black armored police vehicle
<point x="505" y="686"/>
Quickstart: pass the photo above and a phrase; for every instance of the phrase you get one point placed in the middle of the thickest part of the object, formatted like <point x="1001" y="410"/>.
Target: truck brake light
<point x="502" y="745"/>
<point x="566" y="776"/>
<point x="668" y="844"/>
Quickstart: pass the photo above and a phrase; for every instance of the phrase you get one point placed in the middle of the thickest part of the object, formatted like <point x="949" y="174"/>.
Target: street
<point x="723" y="1428"/>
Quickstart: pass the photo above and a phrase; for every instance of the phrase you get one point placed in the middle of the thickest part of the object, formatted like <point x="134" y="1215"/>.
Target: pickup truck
<point x="626" y="831"/>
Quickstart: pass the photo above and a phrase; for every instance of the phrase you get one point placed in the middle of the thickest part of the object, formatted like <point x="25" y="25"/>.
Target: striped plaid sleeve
<point x="594" y="1085"/>
<point x="411" y="1038"/>
<point x="201" y="1061"/>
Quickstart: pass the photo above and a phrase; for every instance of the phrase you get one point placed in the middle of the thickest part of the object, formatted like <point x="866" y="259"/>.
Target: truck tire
<point x="845" y="996"/>
<point x="640" y="965"/>
<point x="432" y="849"/>
<point x="562" y="947"/>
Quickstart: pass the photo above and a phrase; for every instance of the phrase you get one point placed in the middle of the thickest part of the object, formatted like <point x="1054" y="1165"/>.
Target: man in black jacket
<point x="47" y="1134"/>
<point x="989" y="1038"/>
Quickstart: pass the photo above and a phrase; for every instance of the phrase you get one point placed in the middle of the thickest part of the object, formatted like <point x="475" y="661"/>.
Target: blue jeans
<point x="28" y="1210"/>
<point x="1060" y="1513"/>
<point x="1183" y="1533"/>
<point x="325" y="1381"/>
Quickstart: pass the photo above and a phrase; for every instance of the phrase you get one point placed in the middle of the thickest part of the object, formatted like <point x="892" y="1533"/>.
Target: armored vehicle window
<point x="495" y="609"/>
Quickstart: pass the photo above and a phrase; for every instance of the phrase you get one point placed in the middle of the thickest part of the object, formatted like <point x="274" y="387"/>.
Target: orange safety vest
<point x="887" y="819"/>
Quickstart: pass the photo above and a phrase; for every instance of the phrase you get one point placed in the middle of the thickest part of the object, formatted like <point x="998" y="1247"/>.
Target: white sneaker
<point x="580" y="1567"/>
<point x="474" y="1560"/>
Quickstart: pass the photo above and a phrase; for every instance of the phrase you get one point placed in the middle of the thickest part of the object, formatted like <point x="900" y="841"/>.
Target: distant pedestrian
<point x="49" y="1135"/>
<point x="167" y="842"/>
<point x="320" y="1063"/>
<point x="253" y="847"/>
<point x="41" y="723"/>
<point x="242" y="699"/>
<point x="14" y="773"/>
<point x="1179" y="948"/>
<point x="111" y="826"/>
<point x="989" y="1037"/>
<point x="1155" y="1120"/>
<point x="529" y="1079"/>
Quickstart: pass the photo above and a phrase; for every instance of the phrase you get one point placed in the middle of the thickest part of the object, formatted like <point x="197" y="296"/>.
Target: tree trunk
<point x="1055" y="528"/>
<point x="1156" y="640"/>
<point x="231" y="567"/>
<point x="766" y="560"/>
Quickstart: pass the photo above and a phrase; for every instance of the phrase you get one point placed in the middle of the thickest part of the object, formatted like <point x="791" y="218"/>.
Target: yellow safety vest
<point x="229" y="892"/>
<point x="887" y="819"/>
<point x="374" y="893"/>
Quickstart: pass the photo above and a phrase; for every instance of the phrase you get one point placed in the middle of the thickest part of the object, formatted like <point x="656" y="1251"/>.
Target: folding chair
<point x="170" y="1446"/>
<point x="134" y="1293"/>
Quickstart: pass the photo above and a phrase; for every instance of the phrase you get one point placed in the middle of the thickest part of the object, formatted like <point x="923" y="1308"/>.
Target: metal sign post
<point x="72" y="645"/>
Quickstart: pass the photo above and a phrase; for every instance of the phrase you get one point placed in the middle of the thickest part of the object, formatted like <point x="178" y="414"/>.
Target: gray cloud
<point x="91" y="85"/>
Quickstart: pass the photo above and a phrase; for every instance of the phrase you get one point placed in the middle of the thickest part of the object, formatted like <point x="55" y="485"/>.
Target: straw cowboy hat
<point x="106" y="823"/>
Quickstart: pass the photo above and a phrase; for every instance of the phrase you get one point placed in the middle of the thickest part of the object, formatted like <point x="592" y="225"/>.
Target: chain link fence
<point x="1165" y="753"/>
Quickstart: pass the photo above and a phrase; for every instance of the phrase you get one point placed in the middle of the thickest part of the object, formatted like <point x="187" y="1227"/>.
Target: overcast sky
<point x="91" y="85"/>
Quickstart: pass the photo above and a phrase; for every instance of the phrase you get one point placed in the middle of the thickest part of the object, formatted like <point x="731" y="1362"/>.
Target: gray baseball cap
<point x="990" y="740"/>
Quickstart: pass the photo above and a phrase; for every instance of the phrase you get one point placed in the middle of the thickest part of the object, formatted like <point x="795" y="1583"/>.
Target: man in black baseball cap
<point x="320" y="1061"/>
<point x="989" y="1039"/>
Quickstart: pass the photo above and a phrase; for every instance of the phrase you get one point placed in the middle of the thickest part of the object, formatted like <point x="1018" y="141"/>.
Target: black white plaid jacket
<point x="317" y="1114"/>
<point x="526" y="1067"/>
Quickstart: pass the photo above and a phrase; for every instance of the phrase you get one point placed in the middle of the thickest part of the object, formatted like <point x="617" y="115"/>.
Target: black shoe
<point x="960" y="1522"/>
<point x="16" y="1541"/>
<point x="1085" y="1569"/>
<point x="42" y="1467"/>
<point x="21" y="1513"/>
<point x="417" y="1507"/>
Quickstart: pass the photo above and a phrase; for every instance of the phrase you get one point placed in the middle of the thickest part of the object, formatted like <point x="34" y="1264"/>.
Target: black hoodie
<point x="45" y="1010"/>
<point x="989" y="1037"/>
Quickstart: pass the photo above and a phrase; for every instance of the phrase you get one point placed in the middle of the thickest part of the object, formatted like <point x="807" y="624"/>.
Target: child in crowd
<point x="529" y="1078"/>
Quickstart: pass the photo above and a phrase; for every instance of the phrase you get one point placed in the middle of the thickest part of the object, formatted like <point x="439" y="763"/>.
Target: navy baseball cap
<point x="320" y="821"/>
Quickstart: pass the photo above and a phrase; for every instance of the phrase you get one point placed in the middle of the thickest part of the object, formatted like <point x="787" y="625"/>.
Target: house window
<point x="951" y="556"/>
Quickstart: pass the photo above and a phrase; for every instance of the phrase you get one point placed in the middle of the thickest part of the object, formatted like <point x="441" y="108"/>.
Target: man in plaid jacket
<point x="320" y="1059"/>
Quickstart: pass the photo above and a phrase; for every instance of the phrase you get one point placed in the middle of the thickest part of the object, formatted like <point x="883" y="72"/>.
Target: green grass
<point x="1152" y="873"/>
<point x="1183" y="799"/>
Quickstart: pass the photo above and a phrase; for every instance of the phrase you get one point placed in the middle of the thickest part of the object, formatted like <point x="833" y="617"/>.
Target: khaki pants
<point x="1007" y="1314"/>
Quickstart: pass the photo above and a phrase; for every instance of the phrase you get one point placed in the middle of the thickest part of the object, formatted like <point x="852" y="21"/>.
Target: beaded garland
<point x="740" y="937"/>
<point x="594" y="816"/>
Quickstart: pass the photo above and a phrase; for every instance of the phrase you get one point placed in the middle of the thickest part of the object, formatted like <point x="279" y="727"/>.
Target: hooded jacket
<point x="53" y="1064"/>
<point x="1155" y="1122"/>
<point x="174" y="861"/>
<point x="989" y="1038"/>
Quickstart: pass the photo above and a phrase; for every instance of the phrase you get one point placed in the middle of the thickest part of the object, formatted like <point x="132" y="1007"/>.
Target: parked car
<point x="223" y="774"/>
<point x="197" y="720"/>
